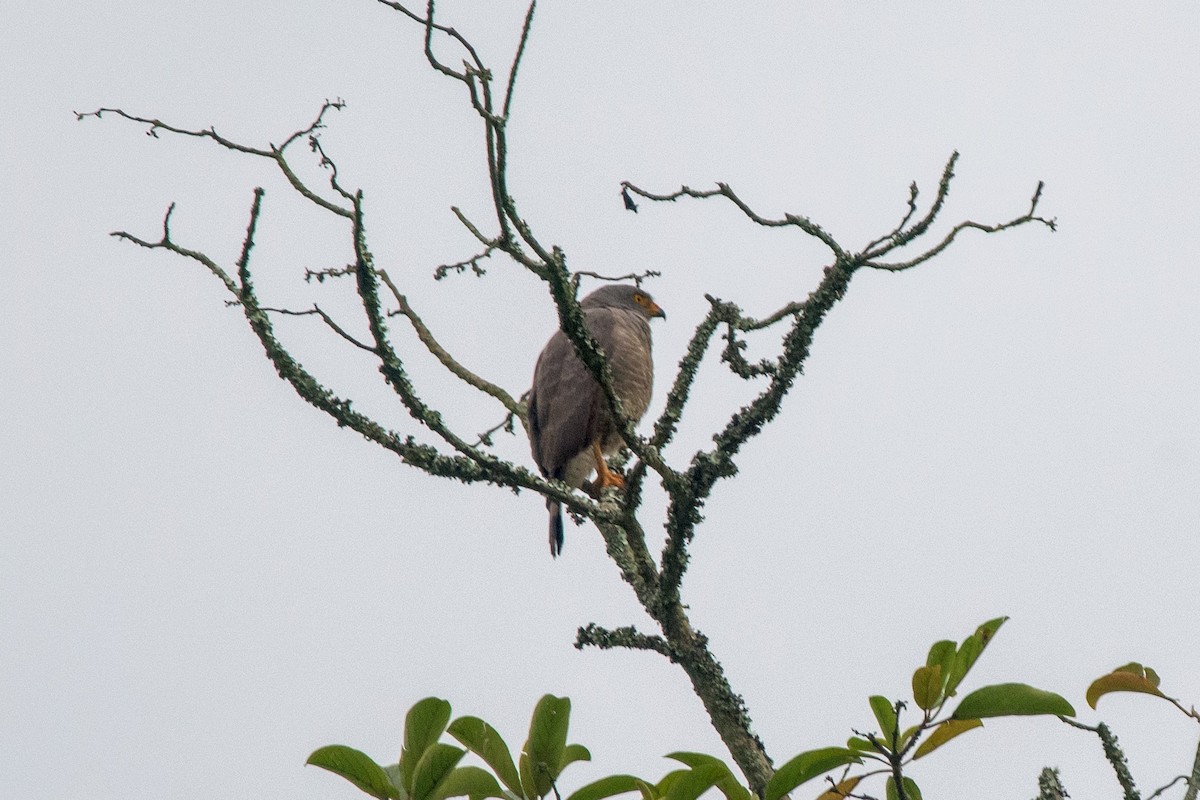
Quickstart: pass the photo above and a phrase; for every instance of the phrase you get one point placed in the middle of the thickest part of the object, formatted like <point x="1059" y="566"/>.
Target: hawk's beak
<point x="656" y="310"/>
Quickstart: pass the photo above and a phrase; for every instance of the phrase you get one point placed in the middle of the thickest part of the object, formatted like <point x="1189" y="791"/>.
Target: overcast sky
<point x="203" y="579"/>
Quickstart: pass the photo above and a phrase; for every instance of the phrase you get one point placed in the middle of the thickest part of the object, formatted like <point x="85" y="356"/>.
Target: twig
<point x="516" y="63"/>
<point x="636" y="277"/>
<point x="1028" y="216"/>
<point x="461" y="266"/>
<point x="276" y="154"/>
<point x="1161" y="790"/>
<point x="332" y="272"/>
<point x="723" y="190"/>
<point x="327" y="320"/>
<point x="895" y="232"/>
<point x="431" y="26"/>
<point x="629" y="637"/>
<point x="439" y="352"/>
<point x="508" y="425"/>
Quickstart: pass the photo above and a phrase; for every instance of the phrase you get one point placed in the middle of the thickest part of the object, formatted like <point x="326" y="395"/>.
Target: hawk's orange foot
<point x="608" y="478"/>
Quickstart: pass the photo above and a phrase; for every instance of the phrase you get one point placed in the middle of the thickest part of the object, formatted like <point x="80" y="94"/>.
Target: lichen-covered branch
<point x="422" y="456"/>
<point x="1194" y="779"/>
<point x="1114" y="754"/>
<point x="592" y="635"/>
<point x="1050" y="785"/>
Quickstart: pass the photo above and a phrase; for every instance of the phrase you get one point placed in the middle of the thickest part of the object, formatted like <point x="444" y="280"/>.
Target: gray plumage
<point x="570" y="427"/>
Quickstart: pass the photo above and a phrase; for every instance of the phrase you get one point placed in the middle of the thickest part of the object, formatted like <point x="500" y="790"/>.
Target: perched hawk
<point x="570" y="427"/>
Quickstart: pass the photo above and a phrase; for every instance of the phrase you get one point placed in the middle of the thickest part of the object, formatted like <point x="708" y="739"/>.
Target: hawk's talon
<point x="605" y="477"/>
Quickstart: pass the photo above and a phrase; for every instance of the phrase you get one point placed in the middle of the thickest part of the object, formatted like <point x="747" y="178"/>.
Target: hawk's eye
<point x="640" y="298"/>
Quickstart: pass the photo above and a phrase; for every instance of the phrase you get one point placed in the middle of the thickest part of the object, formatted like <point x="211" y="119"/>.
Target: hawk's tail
<point x="556" y="527"/>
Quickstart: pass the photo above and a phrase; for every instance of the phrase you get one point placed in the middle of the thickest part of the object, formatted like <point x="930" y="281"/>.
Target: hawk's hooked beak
<point x="656" y="310"/>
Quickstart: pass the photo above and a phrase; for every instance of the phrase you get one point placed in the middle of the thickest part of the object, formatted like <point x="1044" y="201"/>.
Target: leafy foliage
<point x="429" y="769"/>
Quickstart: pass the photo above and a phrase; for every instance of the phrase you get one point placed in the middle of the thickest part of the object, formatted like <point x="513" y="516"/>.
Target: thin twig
<point x="1028" y="216"/>
<point x="439" y="352"/>
<point x="332" y="272"/>
<point x="508" y="425"/>
<point x="1159" y="791"/>
<point x="327" y="320"/>
<point x="276" y="154"/>
<point x="461" y="266"/>
<point x="636" y="277"/>
<point x="895" y="232"/>
<point x="723" y="190"/>
<point x="516" y="63"/>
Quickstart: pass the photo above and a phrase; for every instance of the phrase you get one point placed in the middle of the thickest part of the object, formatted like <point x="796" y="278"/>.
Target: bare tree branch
<point x="636" y="277"/>
<point x="326" y="319"/>
<point x="439" y="352"/>
<point x="592" y="635"/>
<point x="1028" y="216"/>
<point x="276" y="154"/>
<point x="723" y="190"/>
<point x="1114" y="754"/>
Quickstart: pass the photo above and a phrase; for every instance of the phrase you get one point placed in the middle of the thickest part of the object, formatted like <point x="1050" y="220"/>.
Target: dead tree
<point x="431" y="445"/>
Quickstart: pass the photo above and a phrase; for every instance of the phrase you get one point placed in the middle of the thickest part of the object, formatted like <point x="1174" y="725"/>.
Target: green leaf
<point x="423" y="725"/>
<point x="573" y="753"/>
<point x="964" y="659"/>
<point x="667" y="781"/>
<point x="433" y="768"/>
<point x="473" y="782"/>
<point x="858" y="743"/>
<point x="970" y="650"/>
<point x="927" y="686"/>
<point x="356" y="767"/>
<point x="885" y="715"/>
<point x="696" y="781"/>
<point x="529" y="781"/>
<point x="728" y="783"/>
<point x="805" y="767"/>
<point x="484" y="741"/>
<point x="396" y="776"/>
<point x="1011" y="699"/>
<point x="542" y="756"/>
<point x="944" y="733"/>
<point x="607" y="787"/>
<point x="987" y="630"/>
<point x="941" y="654"/>
<point x="911" y="792"/>
<point x="1132" y="677"/>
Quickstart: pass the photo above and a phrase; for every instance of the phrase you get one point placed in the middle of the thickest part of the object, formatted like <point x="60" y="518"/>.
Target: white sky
<point x="203" y="579"/>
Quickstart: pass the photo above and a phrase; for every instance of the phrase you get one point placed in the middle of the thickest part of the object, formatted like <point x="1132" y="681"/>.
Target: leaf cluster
<point x="429" y="769"/>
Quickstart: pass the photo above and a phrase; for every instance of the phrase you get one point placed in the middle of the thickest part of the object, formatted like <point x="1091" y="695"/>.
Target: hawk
<point x="571" y="429"/>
